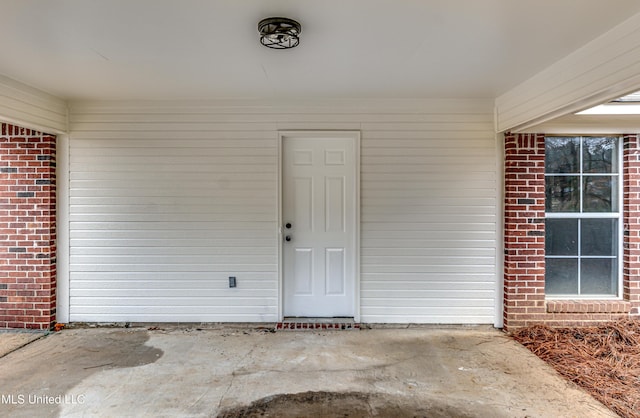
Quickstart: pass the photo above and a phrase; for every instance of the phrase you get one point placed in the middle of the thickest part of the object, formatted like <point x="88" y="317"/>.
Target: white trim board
<point x="62" y="226"/>
<point x="31" y="108"/>
<point x="604" y="69"/>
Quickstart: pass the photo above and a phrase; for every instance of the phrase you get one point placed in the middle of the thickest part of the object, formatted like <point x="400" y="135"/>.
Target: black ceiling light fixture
<point x="279" y="32"/>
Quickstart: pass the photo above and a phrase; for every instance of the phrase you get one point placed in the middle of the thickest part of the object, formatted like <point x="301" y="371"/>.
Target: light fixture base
<point x="279" y="32"/>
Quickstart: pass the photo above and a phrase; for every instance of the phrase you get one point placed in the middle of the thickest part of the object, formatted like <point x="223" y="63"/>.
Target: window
<point x="583" y="220"/>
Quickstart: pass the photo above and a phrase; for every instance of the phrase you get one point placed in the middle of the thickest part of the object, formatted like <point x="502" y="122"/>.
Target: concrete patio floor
<point x="178" y="371"/>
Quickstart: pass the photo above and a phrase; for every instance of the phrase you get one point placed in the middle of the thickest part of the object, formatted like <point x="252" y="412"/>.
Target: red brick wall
<point x="524" y="230"/>
<point x="524" y="266"/>
<point x="631" y="208"/>
<point x="27" y="228"/>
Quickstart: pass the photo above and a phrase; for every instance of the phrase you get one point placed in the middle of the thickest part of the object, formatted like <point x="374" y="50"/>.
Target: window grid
<point x="579" y="256"/>
<point x="581" y="177"/>
<point x="592" y="215"/>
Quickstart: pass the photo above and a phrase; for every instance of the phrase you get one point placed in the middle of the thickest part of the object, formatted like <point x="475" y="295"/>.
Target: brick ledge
<point x="316" y="326"/>
<point x="588" y="306"/>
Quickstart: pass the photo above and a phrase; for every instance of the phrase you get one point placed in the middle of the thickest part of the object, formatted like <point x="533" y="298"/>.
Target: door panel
<point x="335" y="271"/>
<point x="319" y="204"/>
<point x="334" y="204"/>
<point x="303" y="205"/>
<point x="303" y="270"/>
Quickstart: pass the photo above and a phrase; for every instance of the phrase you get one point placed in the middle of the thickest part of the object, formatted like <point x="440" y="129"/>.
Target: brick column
<point x="27" y="228"/>
<point x="631" y="239"/>
<point x="524" y="264"/>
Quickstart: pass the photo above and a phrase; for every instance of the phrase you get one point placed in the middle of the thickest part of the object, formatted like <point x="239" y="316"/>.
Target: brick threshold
<point x="319" y="324"/>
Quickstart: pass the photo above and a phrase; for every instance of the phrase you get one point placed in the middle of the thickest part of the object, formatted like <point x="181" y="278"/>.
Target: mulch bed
<point x="604" y="360"/>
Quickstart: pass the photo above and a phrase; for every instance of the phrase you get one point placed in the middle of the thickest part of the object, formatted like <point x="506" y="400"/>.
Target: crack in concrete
<point x="45" y="334"/>
<point x="324" y="370"/>
<point x="233" y="374"/>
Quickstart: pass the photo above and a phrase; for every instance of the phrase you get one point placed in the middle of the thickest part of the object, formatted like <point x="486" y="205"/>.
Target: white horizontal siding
<point x="31" y="108"/>
<point x="168" y="200"/>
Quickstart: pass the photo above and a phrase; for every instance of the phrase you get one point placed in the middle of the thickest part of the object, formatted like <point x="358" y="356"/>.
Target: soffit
<point x="196" y="49"/>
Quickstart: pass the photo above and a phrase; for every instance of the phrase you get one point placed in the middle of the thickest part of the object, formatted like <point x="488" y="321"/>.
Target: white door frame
<point x="355" y="136"/>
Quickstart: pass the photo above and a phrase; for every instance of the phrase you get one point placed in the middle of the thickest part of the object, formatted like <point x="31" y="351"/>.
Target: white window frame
<point x="619" y="215"/>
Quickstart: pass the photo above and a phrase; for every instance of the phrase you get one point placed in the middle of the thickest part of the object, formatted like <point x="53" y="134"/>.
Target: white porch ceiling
<point x="209" y="49"/>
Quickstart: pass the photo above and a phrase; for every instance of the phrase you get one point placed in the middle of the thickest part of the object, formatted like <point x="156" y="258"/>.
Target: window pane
<point x="561" y="276"/>
<point x="582" y="176"/>
<point x="598" y="277"/>
<point x="562" y="155"/>
<point x="561" y="237"/>
<point x="600" y="194"/>
<point x="562" y="194"/>
<point x="599" y="155"/>
<point x="599" y="237"/>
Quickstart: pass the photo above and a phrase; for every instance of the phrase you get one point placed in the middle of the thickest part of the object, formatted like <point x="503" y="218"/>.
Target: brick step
<point x="312" y="326"/>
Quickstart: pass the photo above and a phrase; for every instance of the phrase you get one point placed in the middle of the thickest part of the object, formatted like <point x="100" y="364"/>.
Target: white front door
<point x="319" y="207"/>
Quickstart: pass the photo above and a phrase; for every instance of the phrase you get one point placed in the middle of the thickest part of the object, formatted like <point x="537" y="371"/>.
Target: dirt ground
<point x="603" y="360"/>
<point x="350" y="404"/>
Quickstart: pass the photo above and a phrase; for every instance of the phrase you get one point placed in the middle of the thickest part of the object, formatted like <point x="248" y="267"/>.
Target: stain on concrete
<point x="71" y="359"/>
<point x="350" y="404"/>
<point x="120" y="348"/>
